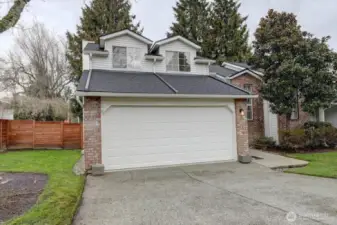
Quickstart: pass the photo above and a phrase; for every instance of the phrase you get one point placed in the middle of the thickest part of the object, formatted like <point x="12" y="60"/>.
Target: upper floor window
<point x="249" y="88"/>
<point x="178" y="61"/>
<point x="126" y="57"/>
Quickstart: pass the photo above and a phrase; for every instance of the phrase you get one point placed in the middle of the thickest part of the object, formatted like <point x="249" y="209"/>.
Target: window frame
<point x="127" y="49"/>
<point x="295" y="114"/>
<point x="187" y="55"/>
<point x="249" y="102"/>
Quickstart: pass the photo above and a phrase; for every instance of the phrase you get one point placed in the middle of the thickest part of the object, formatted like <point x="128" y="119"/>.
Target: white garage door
<point x="135" y="137"/>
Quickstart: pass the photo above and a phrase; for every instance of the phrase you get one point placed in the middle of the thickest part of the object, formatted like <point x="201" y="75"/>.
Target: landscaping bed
<point x="48" y="182"/>
<point x="19" y="192"/>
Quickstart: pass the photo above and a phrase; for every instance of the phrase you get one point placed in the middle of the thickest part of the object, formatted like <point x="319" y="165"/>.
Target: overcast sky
<point x="316" y="16"/>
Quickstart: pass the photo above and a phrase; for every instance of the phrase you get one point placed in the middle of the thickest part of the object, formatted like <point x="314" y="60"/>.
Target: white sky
<point x="316" y="16"/>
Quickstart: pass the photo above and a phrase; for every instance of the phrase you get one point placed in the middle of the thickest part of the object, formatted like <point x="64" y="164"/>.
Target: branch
<point x="13" y="15"/>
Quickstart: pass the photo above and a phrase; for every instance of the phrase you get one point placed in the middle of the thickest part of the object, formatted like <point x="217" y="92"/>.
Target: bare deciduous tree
<point x="13" y="15"/>
<point x="37" y="64"/>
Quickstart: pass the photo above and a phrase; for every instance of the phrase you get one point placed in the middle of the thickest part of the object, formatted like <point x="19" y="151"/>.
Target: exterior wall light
<point x="242" y="112"/>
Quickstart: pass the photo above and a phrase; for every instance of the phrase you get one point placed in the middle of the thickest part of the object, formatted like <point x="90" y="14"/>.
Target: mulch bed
<point x="303" y="151"/>
<point x="19" y="192"/>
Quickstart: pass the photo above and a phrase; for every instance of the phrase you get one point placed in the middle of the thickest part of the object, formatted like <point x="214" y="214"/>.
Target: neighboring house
<point x="155" y="104"/>
<point x="261" y="122"/>
<point x="6" y="111"/>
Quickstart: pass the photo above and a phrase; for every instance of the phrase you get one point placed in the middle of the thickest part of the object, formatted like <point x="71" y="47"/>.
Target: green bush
<point x="314" y="135"/>
<point x="264" y="143"/>
<point x="315" y="125"/>
<point x="293" y="139"/>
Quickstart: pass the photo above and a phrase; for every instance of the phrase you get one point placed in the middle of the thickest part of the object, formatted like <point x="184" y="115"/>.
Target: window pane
<point x="184" y="62"/>
<point x="133" y="58"/>
<point x="172" y="61"/>
<point x="119" y="57"/>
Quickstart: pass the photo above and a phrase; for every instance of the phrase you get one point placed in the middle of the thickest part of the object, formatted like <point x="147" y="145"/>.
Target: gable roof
<point x="129" y="82"/>
<point x="125" y="32"/>
<point x="174" y="38"/>
<point x="233" y="70"/>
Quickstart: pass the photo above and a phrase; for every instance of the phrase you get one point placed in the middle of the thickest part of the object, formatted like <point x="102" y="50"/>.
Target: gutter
<point x="135" y="95"/>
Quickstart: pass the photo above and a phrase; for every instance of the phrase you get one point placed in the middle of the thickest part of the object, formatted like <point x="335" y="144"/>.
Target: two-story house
<point x="261" y="121"/>
<point x="156" y="104"/>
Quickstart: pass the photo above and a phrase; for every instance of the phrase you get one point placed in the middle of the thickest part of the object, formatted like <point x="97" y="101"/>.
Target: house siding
<point x="182" y="47"/>
<point x="105" y="63"/>
<point x="302" y="118"/>
<point x="255" y="126"/>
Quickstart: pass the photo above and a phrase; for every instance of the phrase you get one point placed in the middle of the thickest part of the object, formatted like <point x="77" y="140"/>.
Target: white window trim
<point x="296" y="110"/>
<point x="170" y="71"/>
<point x="251" y="102"/>
<point x="127" y="68"/>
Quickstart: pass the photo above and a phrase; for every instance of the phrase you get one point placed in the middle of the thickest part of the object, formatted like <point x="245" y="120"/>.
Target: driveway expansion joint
<point x="251" y="199"/>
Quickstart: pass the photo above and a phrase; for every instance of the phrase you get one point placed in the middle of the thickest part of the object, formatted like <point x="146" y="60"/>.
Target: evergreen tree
<point x="99" y="18"/>
<point x="298" y="68"/>
<point x="192" y="17"/>
<point x="229" y="33"/>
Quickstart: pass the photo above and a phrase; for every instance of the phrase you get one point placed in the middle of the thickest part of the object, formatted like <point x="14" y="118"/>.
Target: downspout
<point x="90" y="71"/>
<point x="154" y="65"/>
<point x="209" y="64"/>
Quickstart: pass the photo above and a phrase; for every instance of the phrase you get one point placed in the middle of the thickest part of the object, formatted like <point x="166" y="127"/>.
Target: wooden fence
<point x="28" y="134"/>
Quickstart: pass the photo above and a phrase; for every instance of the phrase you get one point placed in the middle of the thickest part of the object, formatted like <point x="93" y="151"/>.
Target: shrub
<point x="293" y="139"/>
<point x="264" y="143"/>
<point x="320" y="134"/>
<point x="315" y="125"/>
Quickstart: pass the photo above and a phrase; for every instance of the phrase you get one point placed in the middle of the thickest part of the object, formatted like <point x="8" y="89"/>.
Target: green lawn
<point x="58" y="202"/>
<point x="320" y="164"/>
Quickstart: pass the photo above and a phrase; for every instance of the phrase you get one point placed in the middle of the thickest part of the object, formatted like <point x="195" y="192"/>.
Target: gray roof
<point x="92" y="47"/>
<point x="155" y="83"/>
<point x="222" y="71"/>
<point x="241" y="64"/>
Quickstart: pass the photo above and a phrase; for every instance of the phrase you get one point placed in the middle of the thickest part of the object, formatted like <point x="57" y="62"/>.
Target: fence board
<point x="26" y="134"/>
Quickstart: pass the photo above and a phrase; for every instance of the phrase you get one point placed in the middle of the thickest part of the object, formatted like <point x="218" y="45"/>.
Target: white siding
<point x="270" y="122"/>
<point x="181" y="47"/>
<point x="85" y="58"/>
<point x="331" y="115"/>
<point x="105" y="63"/>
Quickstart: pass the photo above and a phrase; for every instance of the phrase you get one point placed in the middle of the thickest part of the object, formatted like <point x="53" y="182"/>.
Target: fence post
<point x="62" y="134"/>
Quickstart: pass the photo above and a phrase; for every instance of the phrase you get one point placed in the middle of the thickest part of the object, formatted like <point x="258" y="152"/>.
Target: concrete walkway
<point x="275" y="161"/>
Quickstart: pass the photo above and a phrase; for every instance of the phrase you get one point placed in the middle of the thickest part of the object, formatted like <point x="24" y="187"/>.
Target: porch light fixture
<point x="242" y="112"/>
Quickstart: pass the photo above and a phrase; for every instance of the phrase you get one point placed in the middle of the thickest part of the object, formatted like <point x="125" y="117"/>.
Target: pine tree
<point x="192" y="17"/>
<point x="229" y="33"/>
<point x="99" y="18"/>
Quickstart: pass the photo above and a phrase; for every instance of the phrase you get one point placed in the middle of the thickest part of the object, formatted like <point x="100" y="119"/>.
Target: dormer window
<point x="178" y="61"/>
<point x="126" y="57"/>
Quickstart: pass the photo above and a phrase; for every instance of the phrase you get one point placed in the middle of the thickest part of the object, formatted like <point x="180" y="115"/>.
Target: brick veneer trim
<point x="92" y="131"/>
<point x="241" y="129"/>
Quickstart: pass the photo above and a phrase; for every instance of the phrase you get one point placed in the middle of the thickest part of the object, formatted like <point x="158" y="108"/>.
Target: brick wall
<point x="302" y="118"/>
<point x="92" y="131"/>
<point x="255" y="126"/>
<point x="241" y="128"/>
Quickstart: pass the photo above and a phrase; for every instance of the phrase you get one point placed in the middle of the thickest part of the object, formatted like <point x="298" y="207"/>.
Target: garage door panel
<point x="165" y="159"/>
<point x="154" y="136"/>
<point x="153" y="149"/>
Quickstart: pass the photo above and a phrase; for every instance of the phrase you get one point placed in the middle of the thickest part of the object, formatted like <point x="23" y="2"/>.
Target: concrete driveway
<point x="228" y="193"/>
